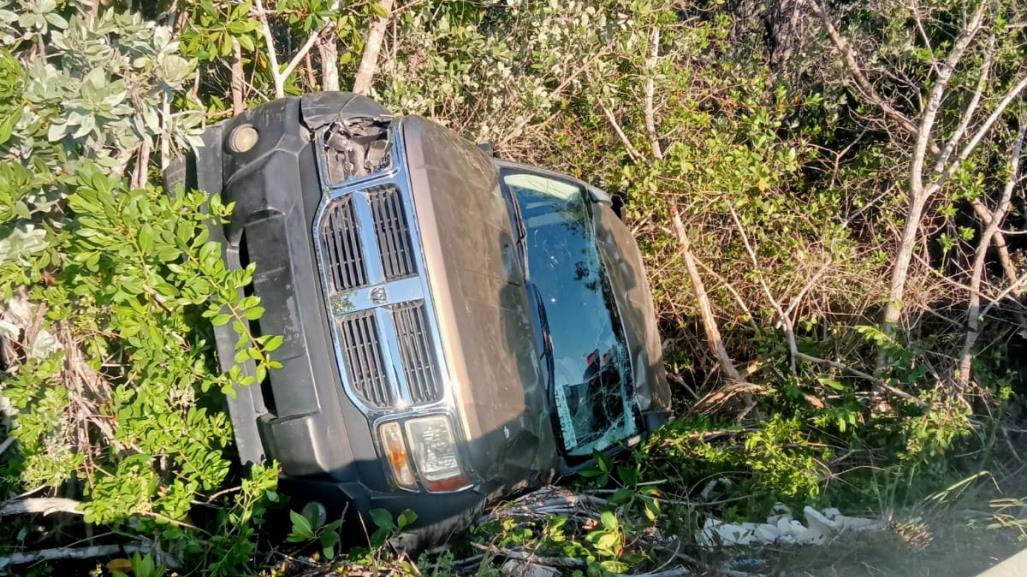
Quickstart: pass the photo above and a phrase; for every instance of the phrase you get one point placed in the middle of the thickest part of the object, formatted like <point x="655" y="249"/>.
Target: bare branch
<point x="786" y="321"/>
<point x="918" y="192"/>
<point x="982" y="131"/>
<point x="291" y="66"/>
<point x="924" y="131"/>
<point x="856" y="69"/>
<point x="279" y="77"/>
<point x="1009" y="269"/>
<point x="713" y="338"/>
<point x="238" y="79"/>
<point x="1022" y="280"/>
<point x="633" y="152"/>
<point x="269" y="42"/>
<point x="971" y="108"/>
<point x="650" y="89"/>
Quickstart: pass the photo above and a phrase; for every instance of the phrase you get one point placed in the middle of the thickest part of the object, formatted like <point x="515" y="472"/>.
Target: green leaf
<point x="246" y="42"/>
<point x="382" y="519"/>
<point x="378" y="10"/>
<point x="329" y="539"/>
<point x="405" y="519"/>
<point x="254" y="313"/>
<point x="301" y="529"/>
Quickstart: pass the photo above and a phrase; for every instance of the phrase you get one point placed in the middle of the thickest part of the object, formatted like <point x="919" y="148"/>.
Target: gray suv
<point x="456" y="327"/>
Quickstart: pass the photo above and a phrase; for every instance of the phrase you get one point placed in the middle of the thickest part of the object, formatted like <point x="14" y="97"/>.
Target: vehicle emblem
<point x="378" y="295"/>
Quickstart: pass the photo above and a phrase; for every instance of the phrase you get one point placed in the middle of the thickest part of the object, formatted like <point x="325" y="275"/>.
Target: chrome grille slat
<point x="362" y="348"/>
<point x="345" y="264"/>
<point x="416" y="351"/>
<point x="392" y="232"/>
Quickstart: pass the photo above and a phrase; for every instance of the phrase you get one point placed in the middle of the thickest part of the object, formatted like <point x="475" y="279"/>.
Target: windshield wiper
<point x="543" y="321"/>
<point x="522" y="230"/>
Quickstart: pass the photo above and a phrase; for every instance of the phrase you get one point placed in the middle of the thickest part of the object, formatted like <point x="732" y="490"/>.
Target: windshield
<point x="590" y="364"/>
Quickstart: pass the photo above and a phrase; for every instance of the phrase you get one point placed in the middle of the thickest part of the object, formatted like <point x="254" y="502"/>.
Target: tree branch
<point x="279" y="77"/>
<point x="856" y="70"/>
<point x="238" y="79"/>
<point x="713" y="338"/>
<point x="971" y="108"/>
<point x="650" y="89"/>
<point x="329" y="61"/>
<point x="269" y="42"/>
<point x="982" y="131"/>
<point x="918" y="192"/>
<point x="973" y="308"/>
<point x="633" y="152"/>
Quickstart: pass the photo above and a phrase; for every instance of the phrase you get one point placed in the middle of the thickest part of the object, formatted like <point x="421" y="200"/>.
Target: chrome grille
<point x="342" y="250"/>
<point x="416" y="351"/>
<point x="390" y="226"/>
<point x="361" y="346"/>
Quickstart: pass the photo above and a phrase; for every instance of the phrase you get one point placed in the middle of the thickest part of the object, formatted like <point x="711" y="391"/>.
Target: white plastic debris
<point x="781" y="527"/>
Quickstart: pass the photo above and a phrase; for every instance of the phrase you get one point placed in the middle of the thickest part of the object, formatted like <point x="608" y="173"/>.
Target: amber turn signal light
<point x="395" y="449"/>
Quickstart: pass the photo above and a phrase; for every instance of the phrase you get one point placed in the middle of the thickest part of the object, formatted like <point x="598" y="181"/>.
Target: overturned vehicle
<point x="456" y="327"/>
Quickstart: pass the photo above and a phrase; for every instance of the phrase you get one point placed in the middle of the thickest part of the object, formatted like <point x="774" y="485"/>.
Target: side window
<point x="590" y="362"/>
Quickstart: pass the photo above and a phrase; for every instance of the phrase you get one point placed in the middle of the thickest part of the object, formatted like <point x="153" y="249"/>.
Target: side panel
<point x="638" y="313"/>
<point x="481" y="302"/>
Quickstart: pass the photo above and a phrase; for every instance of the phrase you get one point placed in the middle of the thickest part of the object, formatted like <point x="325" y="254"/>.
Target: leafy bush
<point x="109" y="285"/>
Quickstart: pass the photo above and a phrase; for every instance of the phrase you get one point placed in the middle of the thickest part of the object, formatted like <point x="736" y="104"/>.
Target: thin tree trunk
<point x="372" y="48"/>
<point x="919" y="191"/>
<point x="329" y="61"/>
<point x="897" y="289"/>
<point x="238" y="79"/>
<point x="973" y="309"/>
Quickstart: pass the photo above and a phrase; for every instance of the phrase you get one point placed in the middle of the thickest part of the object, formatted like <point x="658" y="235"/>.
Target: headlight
<point x="434" y="451"/>
<point x="396" y="453"/>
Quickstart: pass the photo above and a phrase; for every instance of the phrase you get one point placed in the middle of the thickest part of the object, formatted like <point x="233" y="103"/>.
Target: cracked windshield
<point x="590" y="364"/>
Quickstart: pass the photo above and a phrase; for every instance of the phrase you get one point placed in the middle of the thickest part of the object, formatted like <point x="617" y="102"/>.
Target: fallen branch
<point x="65" y="553"/>
<point x="42" y="505"/>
